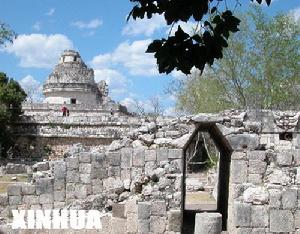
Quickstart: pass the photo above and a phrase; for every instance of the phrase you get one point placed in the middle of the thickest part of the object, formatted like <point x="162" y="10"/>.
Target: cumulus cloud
<point x="33" y="88"/>
<point x="39" y="50"/>
<point x="144" y="26"/>
<point x="116" y="82"/>
<point x="130" y="55"/>
<point x="92" y="24"/>
<point x="50" y="12"/>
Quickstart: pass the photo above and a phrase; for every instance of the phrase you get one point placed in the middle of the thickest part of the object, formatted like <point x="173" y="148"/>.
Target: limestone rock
<point x="256" y="195"/>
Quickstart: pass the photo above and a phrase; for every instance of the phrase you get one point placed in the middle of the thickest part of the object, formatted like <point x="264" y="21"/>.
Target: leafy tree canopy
<point x="260" y="69"/>
<point x="184" y="50"/>
<point x="6" y="34"/>
<point x="11" y="98"/>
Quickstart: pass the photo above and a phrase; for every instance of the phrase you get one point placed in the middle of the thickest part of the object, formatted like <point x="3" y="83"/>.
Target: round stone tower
<point x="72" y="82"/>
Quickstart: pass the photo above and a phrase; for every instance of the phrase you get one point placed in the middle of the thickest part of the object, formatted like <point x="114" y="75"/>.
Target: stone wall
<point x="138" y="179"/>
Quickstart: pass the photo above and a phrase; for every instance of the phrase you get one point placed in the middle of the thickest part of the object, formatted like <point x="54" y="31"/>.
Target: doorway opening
<point x="205" y="175"/>
<point x="73" y="100"/>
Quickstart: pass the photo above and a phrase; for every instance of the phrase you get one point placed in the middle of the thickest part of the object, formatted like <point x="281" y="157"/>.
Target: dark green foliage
<point x="184" y="51"/>
<point x="6" y="34"/>
<point x="11" y="98"/>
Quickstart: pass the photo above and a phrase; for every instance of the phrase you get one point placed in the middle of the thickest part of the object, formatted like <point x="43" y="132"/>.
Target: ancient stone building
<point x="72" y="82"/>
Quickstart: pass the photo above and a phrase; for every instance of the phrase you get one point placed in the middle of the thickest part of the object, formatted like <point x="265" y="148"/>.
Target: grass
<point x="6" y="180"/>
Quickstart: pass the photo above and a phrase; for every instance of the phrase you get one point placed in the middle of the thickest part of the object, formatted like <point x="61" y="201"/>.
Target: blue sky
<point x="98" y="30"/>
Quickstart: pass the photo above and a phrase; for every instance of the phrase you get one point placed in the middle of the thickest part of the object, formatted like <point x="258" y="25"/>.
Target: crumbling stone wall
<point x="137" y="180"/>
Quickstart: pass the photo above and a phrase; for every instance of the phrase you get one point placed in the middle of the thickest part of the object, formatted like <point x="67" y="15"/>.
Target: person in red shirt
<point x="64" y="110"/>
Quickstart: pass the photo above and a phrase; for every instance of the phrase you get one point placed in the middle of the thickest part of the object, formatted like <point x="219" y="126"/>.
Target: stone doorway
<point x="205" y="175"/>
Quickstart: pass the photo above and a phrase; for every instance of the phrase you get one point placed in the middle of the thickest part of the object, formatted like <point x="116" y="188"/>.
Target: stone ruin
<point x="138" y="181"/>
<point x="137" y="170"/>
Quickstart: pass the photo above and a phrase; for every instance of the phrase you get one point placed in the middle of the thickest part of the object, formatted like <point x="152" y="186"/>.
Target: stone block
<point x="44" y="186"/>
<point x="126" y="174"/>
<point x="85" y="168"/>
<point x="131" y="206"/>
<point x="126" y="158"/>
<point x="143" y="210"/>
<point x="256" y="155"/>
<point x="244" y="231"/>
<point x="98" y="159"/>
<point x="41" y="166"/>
<point x="237" y="155"/>
<point x="149" y="167"/>
<point x="47" y="206"/>
<point x="138" y="157"/>
<point x="85" y="157"/>
<point x="255" y="179"/>
<point x="298" y="176"/>
<point x="174" y="220"/>
<point x="82" y="191"/>
<point x="14" y="189"/>
<point x="114" y="171"/>
<point x="3" y="200"/>
<point x="132" y="223"/>
<point x="157" y="224"/>
<point x="296" y="153"/>
<point x="14" y="200"/>
<point x="257" y="167"/>
<point x="242" y="214"/>
<point x="36" y="207"/>
<point x="208" y="223"/>
<point x="284" y="158"/>
<point x="118" y="210"/>
<point x="158" y="208"/>
<point x="144" y="226"/>
<point x="85" y="178"/>
<point x="31" y="199"/>
<point x="28" y="189"/>
<point x="243" y="141"/>
<point x="256" y="195"/>
<point x="281" y="221"/>
<point x="297" y="219"/>
<point x="239" y="171"/>
<point x="59" y="196"/>
<point x="113" y="158"/>
<point x="162" y="154"/>
<point x="289" y="199"/>
<point x="98" y="173"/>
<point x="59" y="184"/>
<point x="70" y="190"/>
<point x="72" y="176"/>
<point x="59" y="170"/>
<point x="72" y="163"/>
<point x="175" y="154"/>
<point x="59" y="205"/>
<point x="150" y="155"/>
<point x="259" y="216"/>
<point x="275" y="198"/>
<point x="97" y="186"/>
<point x="46" y="198"/>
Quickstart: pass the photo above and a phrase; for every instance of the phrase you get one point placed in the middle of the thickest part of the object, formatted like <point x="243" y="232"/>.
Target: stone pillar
<point x="208" y="223"/>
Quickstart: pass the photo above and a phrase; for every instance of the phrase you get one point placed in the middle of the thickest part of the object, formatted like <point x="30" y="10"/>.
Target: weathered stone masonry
<point x="137" y="181"/>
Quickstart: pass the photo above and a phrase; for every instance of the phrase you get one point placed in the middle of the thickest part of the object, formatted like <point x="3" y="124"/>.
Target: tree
<point x="183" y="51"/>
<point x="260" y="69"/>
<point x="6" y="34"/>
<point x="11" y="98"/>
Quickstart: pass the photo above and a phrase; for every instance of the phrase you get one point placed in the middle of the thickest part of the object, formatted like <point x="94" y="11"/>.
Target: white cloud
<point x="92" y="24"/>
<point x="37" y="26"/>
<point x="33" y="88"/>
<point x="116" y="82"/>
<point x="296" y="13"/>
<point x="51" y="12"/>
<point x="39" y="50"/>
<point x="144" y="26"/>
<point x="132" y="56"/>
